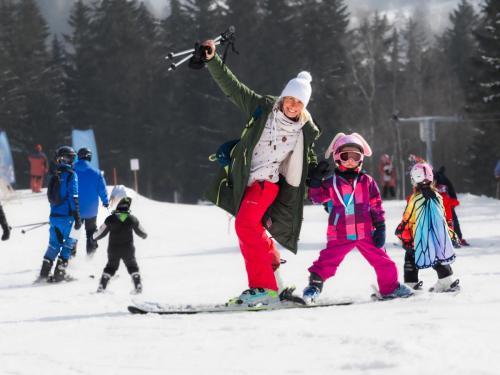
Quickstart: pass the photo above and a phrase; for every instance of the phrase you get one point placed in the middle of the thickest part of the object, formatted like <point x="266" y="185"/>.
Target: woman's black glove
<point x="317" y="173"/>
<point x="198" y="60"/>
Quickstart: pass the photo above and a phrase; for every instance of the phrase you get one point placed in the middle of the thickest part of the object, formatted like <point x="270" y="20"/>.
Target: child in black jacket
<point x="120" y="225"/>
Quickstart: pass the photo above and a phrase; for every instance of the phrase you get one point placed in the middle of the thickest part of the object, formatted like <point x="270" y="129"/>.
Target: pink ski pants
<point x="334" y="253"/>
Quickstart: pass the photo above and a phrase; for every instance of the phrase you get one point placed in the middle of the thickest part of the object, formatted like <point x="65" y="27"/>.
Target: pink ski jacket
<point x="353" y="219"/>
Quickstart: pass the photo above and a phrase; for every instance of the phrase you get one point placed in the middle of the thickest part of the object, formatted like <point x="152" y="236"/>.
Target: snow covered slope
<point x="191" y="256"/>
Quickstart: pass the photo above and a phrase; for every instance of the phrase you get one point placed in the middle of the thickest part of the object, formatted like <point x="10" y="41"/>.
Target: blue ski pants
<point x="59" y="241"/>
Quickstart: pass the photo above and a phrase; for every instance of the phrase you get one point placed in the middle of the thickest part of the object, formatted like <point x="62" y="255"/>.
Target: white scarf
<point x="279" y="119"/>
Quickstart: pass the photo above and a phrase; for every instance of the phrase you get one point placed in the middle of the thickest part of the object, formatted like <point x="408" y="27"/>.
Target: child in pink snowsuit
<point x="356" y="218"/>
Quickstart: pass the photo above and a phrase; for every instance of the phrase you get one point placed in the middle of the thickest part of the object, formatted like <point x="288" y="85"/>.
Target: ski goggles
<point x="66" y="159"/>
<point x="353" y="155"/>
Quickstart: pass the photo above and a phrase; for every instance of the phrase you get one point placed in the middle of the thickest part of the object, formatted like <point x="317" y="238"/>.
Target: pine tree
<point x="82" y="67"/>
<point x="323" y="49"/>
<point x="55" y="103"/>
<point x="416" y="44"/>
<point x="483" y="152"/>
<point x="371" y="72"/>
<point x="12" y="103"/>
<point x="30" y="62"/>
<point x="459" y="46"/>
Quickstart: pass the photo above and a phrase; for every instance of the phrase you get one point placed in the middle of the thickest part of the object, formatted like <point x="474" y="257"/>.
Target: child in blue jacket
<point x="64" y="212"/>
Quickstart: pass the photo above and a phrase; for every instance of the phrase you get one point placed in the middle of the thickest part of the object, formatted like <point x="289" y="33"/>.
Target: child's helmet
<point x="421" y="173"/>
<point x="342" y="140"/>
<point x="124" y="204"/>
<point x="65" y="155"/>
<point x="85" y="154"/>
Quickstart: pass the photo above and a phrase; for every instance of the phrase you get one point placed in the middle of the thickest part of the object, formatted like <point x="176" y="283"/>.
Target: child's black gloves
<point x="317" y="173"/>
<point x="379" y="235"/>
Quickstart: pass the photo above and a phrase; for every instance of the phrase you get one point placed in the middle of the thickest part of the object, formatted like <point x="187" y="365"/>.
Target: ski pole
<point x="23" y="231"/>
<point x="172" y="55"/>
<point x="174" y="66"/>
<point x="30" y="225"/>
<point x="226" y="36"/>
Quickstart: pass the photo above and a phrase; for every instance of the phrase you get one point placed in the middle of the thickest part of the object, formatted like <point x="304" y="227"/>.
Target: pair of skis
<point x="288" y="300"/>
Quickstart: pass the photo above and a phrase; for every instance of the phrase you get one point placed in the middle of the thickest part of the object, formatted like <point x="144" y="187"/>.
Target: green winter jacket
<point x="283" y="219"/>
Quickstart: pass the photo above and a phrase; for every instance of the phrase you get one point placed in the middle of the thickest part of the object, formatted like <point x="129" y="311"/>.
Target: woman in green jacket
<point x="264" y="184"/>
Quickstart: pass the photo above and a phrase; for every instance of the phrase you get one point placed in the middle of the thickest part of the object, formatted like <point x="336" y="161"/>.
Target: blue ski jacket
<point x="68" y="190"/>
<point x="91" y="187"/>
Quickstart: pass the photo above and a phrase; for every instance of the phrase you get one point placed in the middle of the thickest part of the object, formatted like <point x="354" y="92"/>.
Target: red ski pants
<point x="36" y="184"/>
<point x="259" y="251"/>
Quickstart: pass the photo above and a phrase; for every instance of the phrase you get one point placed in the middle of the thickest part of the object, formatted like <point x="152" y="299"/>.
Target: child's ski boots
<point x="104" y="282"/>
<point x="136" y="278"/>
<point x="446" y="285"/>
<point x="311" y="292"/>
<point x="402" y="291"/>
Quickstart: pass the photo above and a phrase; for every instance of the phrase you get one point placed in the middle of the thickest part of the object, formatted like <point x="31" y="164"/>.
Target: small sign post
<point x="134" y="167"/>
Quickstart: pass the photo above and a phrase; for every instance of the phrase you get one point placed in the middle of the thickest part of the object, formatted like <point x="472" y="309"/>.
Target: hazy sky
<point x="56" y="11"/>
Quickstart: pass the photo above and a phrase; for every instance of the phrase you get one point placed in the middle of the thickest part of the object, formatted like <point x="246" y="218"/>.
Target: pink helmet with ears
<point x="342" y="140"/>
<point x="421" y="172"/>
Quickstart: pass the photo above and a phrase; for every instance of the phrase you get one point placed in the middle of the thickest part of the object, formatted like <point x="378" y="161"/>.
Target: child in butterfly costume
<point x="356" y="217"/>
<point x="426" y="234"/>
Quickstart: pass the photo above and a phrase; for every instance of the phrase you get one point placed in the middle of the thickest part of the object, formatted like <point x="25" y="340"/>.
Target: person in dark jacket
<point x="5" y="226"/>
<point x="497" y="177"/>
<point x="64" y="212"/>
<point x="444" y="186"/>
<point x="264" y="185"/>
<point x="91" y="188"/>
<point x="120" y="225"/>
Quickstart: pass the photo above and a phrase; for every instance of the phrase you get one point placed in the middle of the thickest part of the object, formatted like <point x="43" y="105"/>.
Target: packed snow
<point x="191" y="257"/>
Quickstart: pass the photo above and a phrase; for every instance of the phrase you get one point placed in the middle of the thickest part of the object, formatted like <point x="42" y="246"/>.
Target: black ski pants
<point x="90" y="228"/>
<point x="456" y="224"/>
<point x="117" y="253"/>
<point x="411" y="271"/>
<point x="388" y="190"/>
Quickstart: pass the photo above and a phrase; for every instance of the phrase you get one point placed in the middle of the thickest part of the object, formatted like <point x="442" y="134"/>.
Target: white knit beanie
<point x="299" y="88"/>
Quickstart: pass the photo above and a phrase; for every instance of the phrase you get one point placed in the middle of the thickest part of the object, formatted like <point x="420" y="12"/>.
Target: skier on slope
<point x="64" y="212"/>
<point x="120" y="225"/>
<point x="450" y="201"/>
<point x="425" y="233"/>
<point x="356" y="218"/>
<point x="91" y="188"/>
<point x="38" y="168"/>
<point x="5" y="226"/>
<point x="387" y="176"/>
<point x="265" y="183"/>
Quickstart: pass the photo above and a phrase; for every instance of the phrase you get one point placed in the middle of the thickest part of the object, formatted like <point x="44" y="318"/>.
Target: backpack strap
<point x="217" y="155"/>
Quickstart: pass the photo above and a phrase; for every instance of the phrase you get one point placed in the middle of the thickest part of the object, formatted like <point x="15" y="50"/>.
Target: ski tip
<point x="136" y="310"/>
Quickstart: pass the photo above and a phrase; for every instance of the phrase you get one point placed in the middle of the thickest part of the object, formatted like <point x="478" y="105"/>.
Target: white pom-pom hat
<point x="299" y="87"/>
